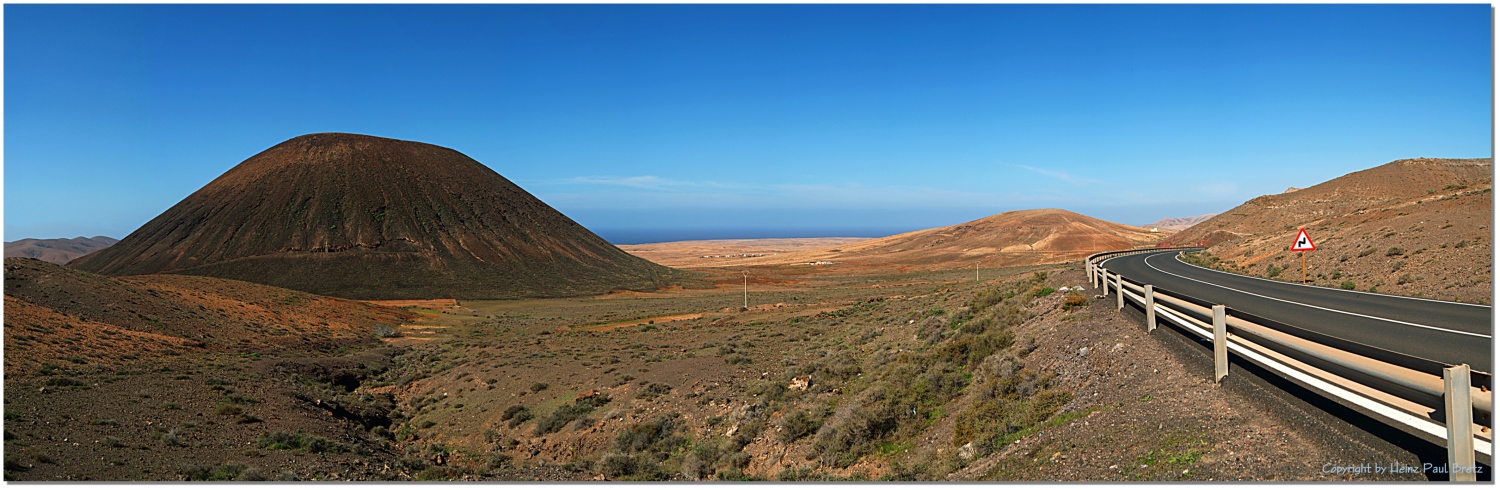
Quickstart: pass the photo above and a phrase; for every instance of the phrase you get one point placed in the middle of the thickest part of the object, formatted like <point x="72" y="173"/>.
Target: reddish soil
<point x="179" y="377"/>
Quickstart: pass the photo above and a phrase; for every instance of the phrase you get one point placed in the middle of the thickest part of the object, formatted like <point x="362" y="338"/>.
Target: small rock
<point x="967" y="451"/>
<point x="1083" y="351"/>
<point x="800" y="382"/>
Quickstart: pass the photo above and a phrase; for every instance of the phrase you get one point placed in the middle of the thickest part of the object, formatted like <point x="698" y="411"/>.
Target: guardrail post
<point x="1221" y="345"/>
<point x="1119" y="292"/>
<point x="1150" y="309"/>
<point x="1460" y="412"/>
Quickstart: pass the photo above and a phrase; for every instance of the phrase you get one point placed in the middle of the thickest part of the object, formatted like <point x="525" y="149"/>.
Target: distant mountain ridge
<point x="365" y="217"/>
<point x="56" y="250"/>
<point x="1179" y="224"/>
<point x="1024" y="237"/>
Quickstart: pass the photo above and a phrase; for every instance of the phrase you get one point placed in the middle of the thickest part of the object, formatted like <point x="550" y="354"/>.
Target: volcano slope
<point x="374" y="218"/>
<point x="1417" y="227"/>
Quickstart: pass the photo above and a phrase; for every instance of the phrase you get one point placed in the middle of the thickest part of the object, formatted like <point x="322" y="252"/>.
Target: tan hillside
<point x="1033" y="236"/>
<point x="1409" y="227"/>
<point x="53" y="311"/>
<point x="56" y="250"/>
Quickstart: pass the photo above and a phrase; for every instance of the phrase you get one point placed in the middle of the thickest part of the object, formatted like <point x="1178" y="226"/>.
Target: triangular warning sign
<point x="1303" y="243"/>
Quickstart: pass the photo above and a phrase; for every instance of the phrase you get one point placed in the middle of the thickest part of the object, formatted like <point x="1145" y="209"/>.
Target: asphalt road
<point x="1451" y="333"/>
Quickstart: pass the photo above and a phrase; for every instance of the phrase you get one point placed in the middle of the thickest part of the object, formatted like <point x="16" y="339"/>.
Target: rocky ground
<point x="929" y="376"/>
<point x="1150" y="411"/>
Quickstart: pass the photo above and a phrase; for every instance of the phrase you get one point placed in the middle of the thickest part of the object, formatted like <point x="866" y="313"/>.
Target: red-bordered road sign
<point x="1303" y="243"/>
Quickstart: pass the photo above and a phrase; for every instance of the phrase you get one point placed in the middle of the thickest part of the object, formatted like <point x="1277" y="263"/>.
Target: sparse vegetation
<point x="568" y="413"/>
<point x="296" y="441"/>
<point x="1075" y="300"/>
<point x="653" y="390"/>
<point x="801" y="423"/>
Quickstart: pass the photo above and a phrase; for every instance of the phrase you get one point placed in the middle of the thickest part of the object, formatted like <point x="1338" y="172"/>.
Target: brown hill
<point x="1411" y="227"/>
<point x="375" y="218"/>
<point x="1179" y="224"/>
<point x="56" y="250"/>
<point x="52" y="312"/>
<point x="1034" y="236"/>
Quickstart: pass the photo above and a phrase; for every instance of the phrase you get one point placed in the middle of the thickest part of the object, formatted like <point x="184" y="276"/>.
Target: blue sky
<point x="746" y="120"/>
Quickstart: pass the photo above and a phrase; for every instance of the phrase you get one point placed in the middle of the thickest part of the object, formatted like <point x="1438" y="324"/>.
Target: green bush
<point x="653" y="390"/>
<point x="1075" y="301"/>
<point x="1347" y="285"/>
<point x="568" y="413"/>
<point x="202" y="472"/>
<point x="1044" y="292"/>
<point x="801" y="423"/>
<point x="615" y="465"/>
<point x="296" y="441"/>
<point x="1394" y="251"/>
<point x="514" y="411"/>
<point x="657" y="436"/>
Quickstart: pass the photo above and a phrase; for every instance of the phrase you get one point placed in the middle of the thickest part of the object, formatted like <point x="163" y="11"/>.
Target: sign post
<point x="1303" y="244"/>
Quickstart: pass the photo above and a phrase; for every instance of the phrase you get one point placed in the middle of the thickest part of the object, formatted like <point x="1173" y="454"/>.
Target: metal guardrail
<point x="1400" y="391"/>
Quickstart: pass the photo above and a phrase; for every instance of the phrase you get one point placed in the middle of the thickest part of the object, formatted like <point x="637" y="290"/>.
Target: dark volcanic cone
<point x="366" y="217"/>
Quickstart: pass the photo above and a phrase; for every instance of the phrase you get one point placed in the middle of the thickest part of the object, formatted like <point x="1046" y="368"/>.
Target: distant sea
<point x="637" y="236"/>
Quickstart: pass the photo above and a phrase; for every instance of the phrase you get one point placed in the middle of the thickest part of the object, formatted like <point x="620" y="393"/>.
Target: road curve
<point x="1451" y="333"/>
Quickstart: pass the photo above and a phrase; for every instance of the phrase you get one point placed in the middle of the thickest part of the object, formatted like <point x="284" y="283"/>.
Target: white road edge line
<point x="1332" y="289"/>
<point x="1147" y="261"/>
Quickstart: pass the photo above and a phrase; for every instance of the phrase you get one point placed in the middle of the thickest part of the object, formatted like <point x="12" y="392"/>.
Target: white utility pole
<point x="747" y="288"/>
<point x="976" y="272"/>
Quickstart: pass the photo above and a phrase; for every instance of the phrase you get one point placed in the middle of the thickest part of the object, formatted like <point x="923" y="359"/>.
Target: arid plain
<point x="805" y="359"/>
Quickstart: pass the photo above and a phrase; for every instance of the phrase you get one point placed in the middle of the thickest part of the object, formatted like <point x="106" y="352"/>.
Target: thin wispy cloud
<point x="1058" y="174"/>
<point x="1216" y="188"/>
<point x="655" y="191"/>
<point x="644" y="182"/>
